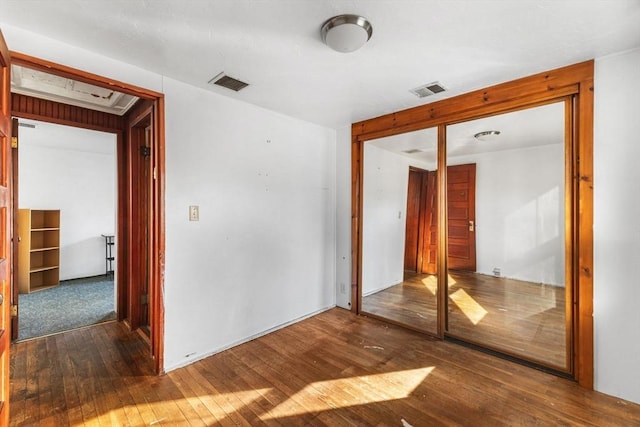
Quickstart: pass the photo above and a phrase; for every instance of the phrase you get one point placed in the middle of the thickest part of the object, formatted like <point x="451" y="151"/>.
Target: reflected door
<point x="416" y="193"/>
<point x="461" y="211"/>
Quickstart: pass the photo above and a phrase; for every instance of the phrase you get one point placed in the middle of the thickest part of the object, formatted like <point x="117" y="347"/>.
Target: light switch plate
<point x="194" y="213"/>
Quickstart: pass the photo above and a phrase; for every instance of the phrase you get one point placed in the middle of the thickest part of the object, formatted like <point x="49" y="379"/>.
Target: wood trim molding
<point x="571" y="81"/>
<point x="28" y="107"/>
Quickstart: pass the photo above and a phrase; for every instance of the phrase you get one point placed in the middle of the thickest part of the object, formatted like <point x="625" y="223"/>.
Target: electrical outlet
<point x="496" y="272"/>
<point x="194" y="213"/>
<point x="343" y="288"/>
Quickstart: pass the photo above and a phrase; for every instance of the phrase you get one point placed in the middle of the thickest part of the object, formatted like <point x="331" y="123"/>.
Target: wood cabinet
<point x="39" y="249"/>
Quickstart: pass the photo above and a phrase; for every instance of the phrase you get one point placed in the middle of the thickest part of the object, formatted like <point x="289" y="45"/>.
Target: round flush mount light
<point x="346" y="33"/>
<point x="486" y="135"/>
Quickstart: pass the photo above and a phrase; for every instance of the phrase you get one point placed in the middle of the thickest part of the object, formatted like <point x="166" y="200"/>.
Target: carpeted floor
<point x="73" y="304"/>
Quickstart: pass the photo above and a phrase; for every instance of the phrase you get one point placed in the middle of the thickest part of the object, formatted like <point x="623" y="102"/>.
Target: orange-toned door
<point x="461" y="209"/>
<point x="429" y="259"/>
<point x="412" y="242"/>
<point x="5" y="232"/>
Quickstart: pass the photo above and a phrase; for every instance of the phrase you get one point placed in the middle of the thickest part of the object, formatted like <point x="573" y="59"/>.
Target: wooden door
<point x="412" y="240"/>
<point x="5" y="223"/>
<point x="430" y="238"/>
<point x="461" y="198"/>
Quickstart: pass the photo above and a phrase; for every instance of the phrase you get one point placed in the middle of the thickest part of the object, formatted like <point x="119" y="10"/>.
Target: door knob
<point x="471" y="226"/>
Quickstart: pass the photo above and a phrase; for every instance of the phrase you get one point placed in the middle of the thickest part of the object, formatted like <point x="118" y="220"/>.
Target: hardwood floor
<point x="334" y="369"/>
<point x="520" y="318"/>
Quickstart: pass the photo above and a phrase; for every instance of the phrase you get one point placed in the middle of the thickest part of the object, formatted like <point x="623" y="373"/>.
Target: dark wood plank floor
<point x="334" y="369"/>
<point x="520" y="318"/>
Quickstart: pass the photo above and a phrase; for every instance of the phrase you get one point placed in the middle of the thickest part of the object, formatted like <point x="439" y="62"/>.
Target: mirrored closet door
<point x="507" y="274"/>
<point x="399" y="232"/>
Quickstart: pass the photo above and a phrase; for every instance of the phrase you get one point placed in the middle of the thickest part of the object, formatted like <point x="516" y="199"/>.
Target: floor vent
<point x="229" y="82"/>
<point x="428" y="89"/>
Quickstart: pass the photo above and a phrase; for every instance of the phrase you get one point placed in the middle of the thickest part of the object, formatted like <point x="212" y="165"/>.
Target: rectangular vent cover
<point x="428" y="89"/>
<point x="229" y="82"/>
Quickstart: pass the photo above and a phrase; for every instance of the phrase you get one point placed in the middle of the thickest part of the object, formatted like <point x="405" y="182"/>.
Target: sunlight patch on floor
<point x="450" y="280"/>
<point x="431" y="282"/>
<point x="219" y="405"/>
<point x="470" y="307"/>
<point x="353" y="391"/>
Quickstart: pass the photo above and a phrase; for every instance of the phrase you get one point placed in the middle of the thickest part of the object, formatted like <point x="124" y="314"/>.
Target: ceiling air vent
<point x="229" y="82"/>
<point x="428" y="89"/>
<point x="412" y="151"/>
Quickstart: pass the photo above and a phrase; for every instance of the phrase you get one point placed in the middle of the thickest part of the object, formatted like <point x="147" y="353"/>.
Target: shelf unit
<point x="39" y="249"/>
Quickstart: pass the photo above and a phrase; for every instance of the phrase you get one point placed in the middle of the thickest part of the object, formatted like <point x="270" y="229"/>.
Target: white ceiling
<point x="276" y="46"/>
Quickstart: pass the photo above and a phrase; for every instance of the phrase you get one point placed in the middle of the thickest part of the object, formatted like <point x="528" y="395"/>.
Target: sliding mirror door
<point x="508" y="284"/>
<point x="399" y="232"/>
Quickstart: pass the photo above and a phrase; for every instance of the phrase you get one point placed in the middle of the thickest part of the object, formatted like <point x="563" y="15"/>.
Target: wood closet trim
<point x="556" y="85"/>
<point x="68" y="115"/>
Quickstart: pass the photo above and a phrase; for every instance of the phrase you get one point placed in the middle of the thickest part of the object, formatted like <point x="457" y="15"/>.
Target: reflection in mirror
<point x="506" y="242"/>
<point x="399" y="236"/>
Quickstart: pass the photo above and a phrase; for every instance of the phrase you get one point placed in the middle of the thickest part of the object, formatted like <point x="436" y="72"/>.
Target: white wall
<point x="520" y="213"/>
<point x="73" y="170"/>
<point x="616" y="229"/>
<point x="263" y="253"/>
<point x="343" y="217"/>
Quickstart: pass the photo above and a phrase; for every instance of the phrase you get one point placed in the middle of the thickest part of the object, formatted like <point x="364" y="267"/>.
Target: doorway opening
<point x="139" y="233"/>
<point x="67" y="176"/>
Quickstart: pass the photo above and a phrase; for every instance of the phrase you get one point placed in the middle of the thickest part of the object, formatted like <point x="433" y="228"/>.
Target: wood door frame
<point x="139" y="192"/>
<point x="79" y="117"/>
<point x="6" y="225"/>
<point x="573" y="81"/>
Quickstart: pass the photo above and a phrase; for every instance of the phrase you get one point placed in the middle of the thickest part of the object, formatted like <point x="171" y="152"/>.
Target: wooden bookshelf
<point x="38" y="249"/>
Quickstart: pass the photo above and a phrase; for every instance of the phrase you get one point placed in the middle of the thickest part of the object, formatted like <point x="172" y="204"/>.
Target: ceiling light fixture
<point x="486" y="135"/>
<point x="346" y="33"/>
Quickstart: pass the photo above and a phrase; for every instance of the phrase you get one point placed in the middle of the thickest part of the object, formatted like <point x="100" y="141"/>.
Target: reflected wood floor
<point x="412" y="302"/>
<point x="520" y="318"/>
<point x="334" y="369"/>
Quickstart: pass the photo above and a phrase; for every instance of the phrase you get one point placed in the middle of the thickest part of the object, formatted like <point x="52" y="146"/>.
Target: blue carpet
<point x="73" y="304"/>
